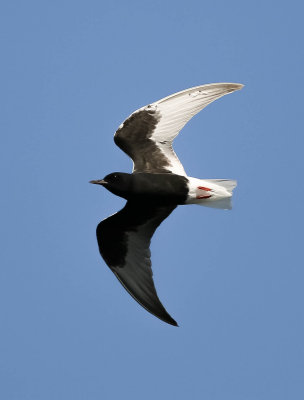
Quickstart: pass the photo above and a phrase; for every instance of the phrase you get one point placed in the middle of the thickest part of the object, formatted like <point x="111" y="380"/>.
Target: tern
<point x="156" y="186"/>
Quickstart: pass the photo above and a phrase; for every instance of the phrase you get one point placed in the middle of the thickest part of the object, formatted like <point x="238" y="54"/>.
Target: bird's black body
<point x="153" y="189"/>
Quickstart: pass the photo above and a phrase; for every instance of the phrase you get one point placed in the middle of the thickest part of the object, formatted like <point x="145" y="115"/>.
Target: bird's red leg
<point x="204" y="196"/>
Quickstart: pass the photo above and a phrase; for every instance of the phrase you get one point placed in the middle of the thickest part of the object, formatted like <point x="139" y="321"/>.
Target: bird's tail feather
<point x="223" y="203"/>
<point x="228" y="184"/>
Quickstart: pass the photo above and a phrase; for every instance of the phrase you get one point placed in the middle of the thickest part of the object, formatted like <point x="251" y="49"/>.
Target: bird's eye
<point x="115" y="178"/>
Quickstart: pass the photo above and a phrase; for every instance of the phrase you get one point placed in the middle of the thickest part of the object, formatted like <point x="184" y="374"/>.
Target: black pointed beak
<point x="99" y="182"/>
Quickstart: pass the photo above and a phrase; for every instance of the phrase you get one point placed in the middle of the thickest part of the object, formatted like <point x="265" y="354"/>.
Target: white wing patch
<point x="176" y="110"/>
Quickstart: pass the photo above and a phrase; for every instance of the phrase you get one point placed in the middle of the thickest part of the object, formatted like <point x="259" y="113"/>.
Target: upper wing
<point x="124" y="240"/>
<point x="147" y="135"/>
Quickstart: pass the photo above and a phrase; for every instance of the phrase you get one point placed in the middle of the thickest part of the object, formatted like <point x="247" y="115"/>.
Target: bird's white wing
<point x="147" y="135"/>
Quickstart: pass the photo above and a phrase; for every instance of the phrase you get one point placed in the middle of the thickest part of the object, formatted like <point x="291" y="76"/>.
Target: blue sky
<point x="71" y="72"/>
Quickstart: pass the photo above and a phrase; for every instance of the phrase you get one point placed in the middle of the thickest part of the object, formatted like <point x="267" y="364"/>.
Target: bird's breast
<point x="160" y="188"/>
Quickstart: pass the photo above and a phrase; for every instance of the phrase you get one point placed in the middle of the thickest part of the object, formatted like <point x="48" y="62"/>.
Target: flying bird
<point x="156" y="186"/>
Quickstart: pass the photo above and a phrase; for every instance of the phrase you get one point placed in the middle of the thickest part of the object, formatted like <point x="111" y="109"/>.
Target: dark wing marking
<point x="134" y="138"/>
<point x="124" y="240"/>
<point x="147" y="135"/>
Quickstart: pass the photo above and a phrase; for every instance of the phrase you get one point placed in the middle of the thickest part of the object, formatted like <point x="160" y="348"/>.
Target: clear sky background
<point x="71" y="72"/>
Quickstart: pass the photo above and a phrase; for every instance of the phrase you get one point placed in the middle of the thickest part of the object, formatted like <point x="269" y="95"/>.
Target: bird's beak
<point x="99" y="182"/>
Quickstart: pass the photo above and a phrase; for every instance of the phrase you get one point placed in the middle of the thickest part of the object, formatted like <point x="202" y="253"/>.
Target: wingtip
<point x="171" y="321"/>
<point x="235" y="86"/>
<point x="239" y="86"/>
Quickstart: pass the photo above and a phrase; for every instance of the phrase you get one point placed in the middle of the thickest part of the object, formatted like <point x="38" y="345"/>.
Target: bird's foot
<point x="201" y="195"/>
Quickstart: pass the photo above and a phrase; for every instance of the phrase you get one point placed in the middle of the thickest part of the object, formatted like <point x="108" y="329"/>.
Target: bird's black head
<point x="118" y="183"/>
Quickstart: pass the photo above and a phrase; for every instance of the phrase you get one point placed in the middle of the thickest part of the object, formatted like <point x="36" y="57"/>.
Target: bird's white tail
<point x="215" y="193"/>
<point x="223" y="203"/>
<point x="228" y="184"/>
